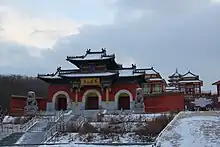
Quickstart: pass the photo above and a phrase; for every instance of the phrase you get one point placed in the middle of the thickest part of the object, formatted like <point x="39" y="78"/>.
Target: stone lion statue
<point x="139" y="101"/>
<point x="31" y="104"/>
<point x="139" y="95"/>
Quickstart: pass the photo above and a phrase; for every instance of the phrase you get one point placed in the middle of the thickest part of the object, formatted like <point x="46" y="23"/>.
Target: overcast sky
<point x="37" y="35"/>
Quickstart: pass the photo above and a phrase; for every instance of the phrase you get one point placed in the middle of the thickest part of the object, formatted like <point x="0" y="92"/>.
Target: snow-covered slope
<point x="82" y="145"/>
<point x="195" y="129"/>
<point x="35" y="134"/>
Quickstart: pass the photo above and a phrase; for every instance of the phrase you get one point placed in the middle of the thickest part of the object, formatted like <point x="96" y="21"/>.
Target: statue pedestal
<point x="139" y="108"/>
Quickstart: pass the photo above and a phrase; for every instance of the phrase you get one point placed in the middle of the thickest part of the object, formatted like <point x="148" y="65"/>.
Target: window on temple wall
<point x="146" y="88"/>
<point x="92" y="67"/>
<point x="85" y="68"/>
<point x="157" y="88"/>
<point x="197" y="89"/>
<point x="182" y="89"/>
<point x="100" y="67"/>
<point x="189" y="90"/>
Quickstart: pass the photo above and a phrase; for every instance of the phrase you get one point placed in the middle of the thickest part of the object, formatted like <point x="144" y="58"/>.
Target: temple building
<point x="99" y="82"/>
<point x="188" y="83"/>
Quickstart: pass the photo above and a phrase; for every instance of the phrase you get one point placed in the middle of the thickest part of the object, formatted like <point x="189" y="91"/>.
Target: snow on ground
<point x="7" y="129"/>
<point x="131" y="123"/>
<point x="133" y="117"/>
<point x="196" y="129"/>
<point x="4" y="134"/>
<point x="9" y="119"/>
<point x="82" y="145"/>
<point x="99" y="138"/>
<point x="126" y="126"/>
<point x="35" y="134"/>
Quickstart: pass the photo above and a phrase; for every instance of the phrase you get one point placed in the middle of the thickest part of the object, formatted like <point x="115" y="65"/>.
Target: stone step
<point x="11" y="139"/>
<point x="31" y="138"/>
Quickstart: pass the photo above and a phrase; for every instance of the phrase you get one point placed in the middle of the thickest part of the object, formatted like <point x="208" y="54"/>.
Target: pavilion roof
<point x="216" y="83"/>
<point x="176" y="74"/>
<point x="92" y="55"/>
<point x="189" y="74"/>
<point x="96" y="74"/>
<point x="190" y="81"/>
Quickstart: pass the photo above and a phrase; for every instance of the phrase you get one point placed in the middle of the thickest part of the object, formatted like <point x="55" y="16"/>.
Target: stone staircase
<point x="54" y="130"/>
<point x="33" y="132"/>
<point x="36" y="133"/>
<point x="77" y="119"/>
<point x="11" y="139"/>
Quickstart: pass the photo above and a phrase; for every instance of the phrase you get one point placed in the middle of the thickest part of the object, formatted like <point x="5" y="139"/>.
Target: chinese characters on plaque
<point x="90" y="81"/>
<point x="151" y="76"/>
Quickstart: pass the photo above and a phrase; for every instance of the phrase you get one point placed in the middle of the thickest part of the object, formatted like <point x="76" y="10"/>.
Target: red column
<point x="200" y="88"/>
<point x="218" y="89"/>
<point x="150" y="85"/>
<point x="164" y="87"/>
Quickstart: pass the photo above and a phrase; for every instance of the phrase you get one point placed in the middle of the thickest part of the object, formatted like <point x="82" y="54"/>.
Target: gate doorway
<point x="92" y="101"/>
<point x="124" y="101"/>
<point x="61" y="102"/>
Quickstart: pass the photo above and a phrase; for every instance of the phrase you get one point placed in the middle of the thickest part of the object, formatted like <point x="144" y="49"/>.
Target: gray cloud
<point x="167" y="35"/>
<point x="17" y="59"/>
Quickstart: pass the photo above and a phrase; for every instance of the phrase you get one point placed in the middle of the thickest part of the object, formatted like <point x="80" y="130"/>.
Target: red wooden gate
<point x="124" y="103"/>
<point x="92" y="103"/>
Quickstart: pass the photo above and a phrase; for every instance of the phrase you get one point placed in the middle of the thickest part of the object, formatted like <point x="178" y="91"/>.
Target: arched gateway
<point x="91" y="98"/>
<point x="123" y="99"/>
<point x="61" y="100"/>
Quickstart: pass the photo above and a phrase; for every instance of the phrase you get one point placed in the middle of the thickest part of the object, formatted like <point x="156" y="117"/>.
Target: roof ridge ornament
<point x="177" y="70"/>
<point x="57" y="72"/>
<point x="134" y="66"/>
<point x="104" y="50"/>
<point x="59" y="68"/>
<point x="88" y="51"/>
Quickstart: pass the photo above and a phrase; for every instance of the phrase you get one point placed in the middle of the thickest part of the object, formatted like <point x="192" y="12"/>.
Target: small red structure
<point x="162" y="102"/>
<point x="17" y="104"/>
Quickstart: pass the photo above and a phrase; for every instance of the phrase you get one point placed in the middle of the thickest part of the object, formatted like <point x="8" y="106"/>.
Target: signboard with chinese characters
<point x="90" y="81"/>
<point x="151" y="76"/>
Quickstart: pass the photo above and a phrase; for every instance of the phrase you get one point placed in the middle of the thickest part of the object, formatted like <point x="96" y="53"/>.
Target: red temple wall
<point x="157" y="82"/>
<point x="17" y="104"/>
<point x="164" y="102"/>
<point x="52" y="89"/>
<point x="117" y="87"/>
<point x="156" y="103"/>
